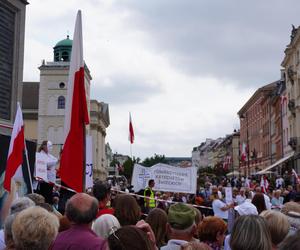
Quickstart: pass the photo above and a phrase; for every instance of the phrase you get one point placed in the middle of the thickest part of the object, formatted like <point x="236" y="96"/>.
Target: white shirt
<point x="267" y="201"/>
<point x="246" y="208"/>
<point x="240" y="199"/>
<point x="51" y="164"/>
<point x="217" y="205"/>
<point x="220" y="194"/>
<point x="226" y="242"/>
<point x="279" y="182"/>
<point x="174" y="245"/>
<point x="2" y="242"/>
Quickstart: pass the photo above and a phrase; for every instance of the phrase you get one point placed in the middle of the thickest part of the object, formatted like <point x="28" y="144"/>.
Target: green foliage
<point x="128" y="167"/>
<point x="150" y="161"/>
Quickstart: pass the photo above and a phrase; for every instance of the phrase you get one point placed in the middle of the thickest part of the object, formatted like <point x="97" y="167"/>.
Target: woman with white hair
<point x="105" y="225"/>
<point x="277" y="200"/>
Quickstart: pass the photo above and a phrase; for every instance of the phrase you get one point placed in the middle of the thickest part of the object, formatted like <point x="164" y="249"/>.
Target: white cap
<point x="246" y="208"/>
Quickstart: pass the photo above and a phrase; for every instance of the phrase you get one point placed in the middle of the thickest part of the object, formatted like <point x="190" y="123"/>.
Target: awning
<point x="264" y="171"/>
<point x="237" y="173"/>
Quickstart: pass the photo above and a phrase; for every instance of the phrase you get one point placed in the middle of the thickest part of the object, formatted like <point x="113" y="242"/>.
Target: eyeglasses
<point x="112" y="231"/>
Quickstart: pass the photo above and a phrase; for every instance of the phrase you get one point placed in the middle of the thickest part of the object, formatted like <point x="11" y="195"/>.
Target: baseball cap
<point x="246" y="208"/>
<point x="181" y="216"/>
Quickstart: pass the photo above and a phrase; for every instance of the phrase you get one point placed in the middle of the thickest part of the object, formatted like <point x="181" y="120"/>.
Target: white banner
<point x="228" y="195"/>
<point x="167" y="178"/>
<point x="41" y="161"/>
<point x="89" y="162"/>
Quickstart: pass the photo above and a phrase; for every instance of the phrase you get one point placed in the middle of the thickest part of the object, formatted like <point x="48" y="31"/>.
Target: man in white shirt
<point x="240" y="198"/>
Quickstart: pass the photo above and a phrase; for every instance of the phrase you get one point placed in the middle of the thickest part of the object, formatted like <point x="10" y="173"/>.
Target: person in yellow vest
<point x="149" y="202"/>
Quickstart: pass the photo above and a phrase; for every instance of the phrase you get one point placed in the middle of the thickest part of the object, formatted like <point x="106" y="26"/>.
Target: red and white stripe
<point x="131" y="132"/>
<point x="16" y="149"/>
<point x="72" y="163"/>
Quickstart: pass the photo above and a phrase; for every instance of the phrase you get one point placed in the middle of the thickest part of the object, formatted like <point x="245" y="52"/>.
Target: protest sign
<point x="228" y="195"/>
<point x="41" y="166"/>
<point x="167" y="178"/>
<point x="89" y="162"/>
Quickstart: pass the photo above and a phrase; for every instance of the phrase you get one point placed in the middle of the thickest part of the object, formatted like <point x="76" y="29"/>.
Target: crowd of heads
<point x="120" y="223"/>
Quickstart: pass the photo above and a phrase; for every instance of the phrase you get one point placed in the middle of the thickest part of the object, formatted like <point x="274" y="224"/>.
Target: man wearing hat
<point x="181" y="226"/>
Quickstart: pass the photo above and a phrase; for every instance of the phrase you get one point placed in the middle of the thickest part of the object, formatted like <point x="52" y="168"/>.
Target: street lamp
<point x="242" y="117"/>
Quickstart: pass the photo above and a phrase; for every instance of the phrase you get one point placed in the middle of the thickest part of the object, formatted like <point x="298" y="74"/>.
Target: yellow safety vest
<point x="151" y="200"/>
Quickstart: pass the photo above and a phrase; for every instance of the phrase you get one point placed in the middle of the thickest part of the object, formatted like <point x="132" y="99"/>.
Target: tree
<point x="149" y="162"/>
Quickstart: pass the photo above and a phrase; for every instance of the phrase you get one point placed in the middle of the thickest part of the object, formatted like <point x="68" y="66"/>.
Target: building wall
<point x="252" y="125"/>
<point x="236" y="151"/>
<point x="30" y="129"/>
<point x="291" y="65"/>
<point x="12" y="18"/>
<point x="98" y="125"/>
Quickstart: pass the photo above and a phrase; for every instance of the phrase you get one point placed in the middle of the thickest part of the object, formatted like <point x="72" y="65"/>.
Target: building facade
<point x="99" y="121"/>
<point x="255" y="139"/>
<point x="12" y="29"/>
<point x="291" y="68"/>
<point x="44" y="108"/>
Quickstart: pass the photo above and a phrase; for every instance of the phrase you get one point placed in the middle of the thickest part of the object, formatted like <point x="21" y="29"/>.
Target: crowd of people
<point x="108" y="218"/>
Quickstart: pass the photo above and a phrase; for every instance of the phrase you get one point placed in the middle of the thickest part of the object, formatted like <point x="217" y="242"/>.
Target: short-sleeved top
<point x="217" y="205"/>
<point x="78" y="237"/>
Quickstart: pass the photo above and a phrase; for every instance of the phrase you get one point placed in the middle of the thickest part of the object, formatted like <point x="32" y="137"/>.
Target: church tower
<point x="53" y="93"/>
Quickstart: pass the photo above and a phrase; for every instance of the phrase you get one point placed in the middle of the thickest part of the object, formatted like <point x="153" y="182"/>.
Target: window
<point x="65" y="56"/>
<point x="62" y="85"/>
<point x="61" y="102"/>
<point x="56" y="57"/>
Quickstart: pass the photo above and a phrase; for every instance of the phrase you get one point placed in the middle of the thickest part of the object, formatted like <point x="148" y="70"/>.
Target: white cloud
<point x="183" y="70"/>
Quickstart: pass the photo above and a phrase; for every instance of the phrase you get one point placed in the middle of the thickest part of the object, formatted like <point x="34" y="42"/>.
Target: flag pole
<point x="130" y="150"/>
<point x="84" y="158"/>
<point x="28" y="167"/>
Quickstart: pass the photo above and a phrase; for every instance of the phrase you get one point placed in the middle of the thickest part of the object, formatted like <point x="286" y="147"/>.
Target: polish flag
<point x="264" y="184"/>
<point x="72" y="161"/>
<point x="131" y="133"/>
<point x="16" y="150"/>
<point x="296" y="176"/>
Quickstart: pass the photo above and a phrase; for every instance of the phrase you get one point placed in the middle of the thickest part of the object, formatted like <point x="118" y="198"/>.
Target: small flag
<point x="16" y="150"/>
<point x="131" y="133"/>
<point x="296" y="176"/>
<point x="264" y="184"/>
<point x="72" y="158"/>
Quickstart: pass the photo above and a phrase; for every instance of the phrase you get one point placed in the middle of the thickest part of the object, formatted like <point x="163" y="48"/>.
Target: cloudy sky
<point x="182" y="68"/>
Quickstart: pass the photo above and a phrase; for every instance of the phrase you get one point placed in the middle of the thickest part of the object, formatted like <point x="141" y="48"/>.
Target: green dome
<point x="66" y="43"/>
<point x="62" y="50"/>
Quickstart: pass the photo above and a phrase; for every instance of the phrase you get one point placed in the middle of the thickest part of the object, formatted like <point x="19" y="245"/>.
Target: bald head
<point x="82" y="208"/>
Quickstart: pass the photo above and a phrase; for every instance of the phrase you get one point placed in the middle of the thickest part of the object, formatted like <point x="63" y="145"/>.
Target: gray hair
<point x="34" y="228"/>
<point x="8" y="237"/>
<point x="259" y="238"/>
<point x="278" y="225"/>
<point x="20" y="204"/>
<point x="105" y="224"/>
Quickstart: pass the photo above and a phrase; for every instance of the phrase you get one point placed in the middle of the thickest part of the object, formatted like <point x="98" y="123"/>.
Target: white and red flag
<point x="264" y="184"/>
<point x="131" y="133"/>
<point x="296" y="176"/>
<point x="72" y="161"/>
<point x="16" y="149"/>
<point x="243" y="152"/>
